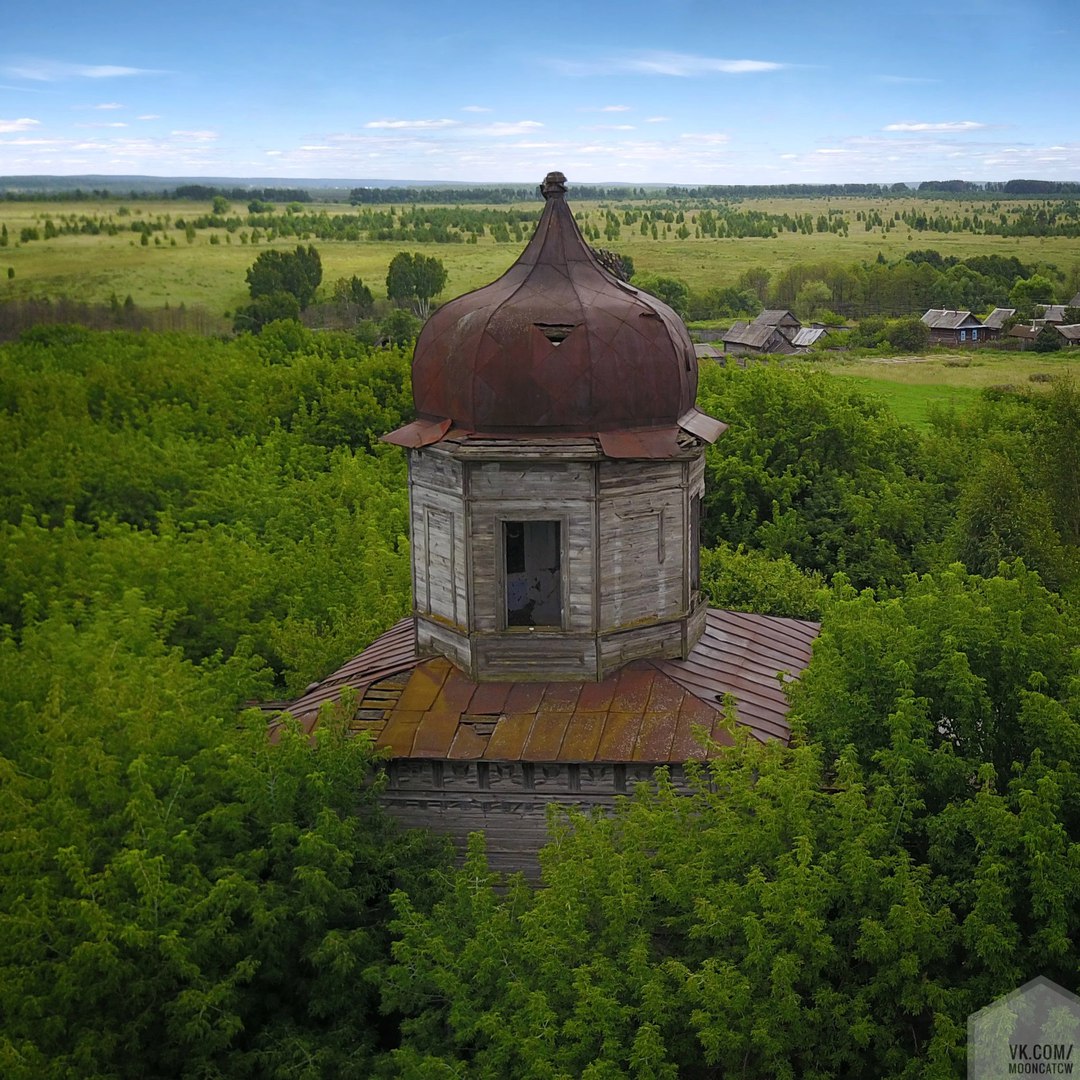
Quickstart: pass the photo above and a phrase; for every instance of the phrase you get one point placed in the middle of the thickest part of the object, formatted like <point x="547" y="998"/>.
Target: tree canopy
<point x="282" y="284"/>
<point x="415" y="279"/>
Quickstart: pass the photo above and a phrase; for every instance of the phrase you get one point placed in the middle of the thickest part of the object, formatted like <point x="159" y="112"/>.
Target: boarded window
<point x="533" y="573"/>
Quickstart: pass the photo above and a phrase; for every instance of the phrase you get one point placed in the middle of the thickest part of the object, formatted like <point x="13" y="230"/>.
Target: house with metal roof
<point x="949" y="327"/>
<point x="560" y="646"/>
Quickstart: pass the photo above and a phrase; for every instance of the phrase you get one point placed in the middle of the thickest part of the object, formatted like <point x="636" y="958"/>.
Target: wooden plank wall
<point x="507" y="801"/>
<point x="438" y="522"/>
<point x="643" y="541"/>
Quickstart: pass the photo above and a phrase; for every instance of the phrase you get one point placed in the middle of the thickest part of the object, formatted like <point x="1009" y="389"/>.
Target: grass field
<point x="912" y="386"/>
<point x="212" y="274"/>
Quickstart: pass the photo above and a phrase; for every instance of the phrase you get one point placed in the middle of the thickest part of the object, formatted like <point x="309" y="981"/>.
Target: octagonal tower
<point x="556" y="470"/>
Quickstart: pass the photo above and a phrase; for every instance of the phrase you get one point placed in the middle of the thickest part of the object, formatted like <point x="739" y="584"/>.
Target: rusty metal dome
<point x="557" y="344"/>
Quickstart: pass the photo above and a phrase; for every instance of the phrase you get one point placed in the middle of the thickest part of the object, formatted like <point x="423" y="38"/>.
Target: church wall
<point x="643" y="542"/>
<point x="437" y="526"/>
<point x="538" y="491"/>
<point x="508" y="801"/>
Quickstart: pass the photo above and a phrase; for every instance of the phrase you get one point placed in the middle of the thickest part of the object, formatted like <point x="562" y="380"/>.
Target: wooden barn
<point x="560" y="647"/>
<point x="743" y="337"/>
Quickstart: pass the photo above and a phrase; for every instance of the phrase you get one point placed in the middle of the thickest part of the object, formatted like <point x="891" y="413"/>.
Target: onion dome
<point x="558" y="344"/>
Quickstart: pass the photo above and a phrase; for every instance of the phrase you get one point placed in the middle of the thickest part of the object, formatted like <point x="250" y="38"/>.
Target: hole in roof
<point x="556" y="333"/>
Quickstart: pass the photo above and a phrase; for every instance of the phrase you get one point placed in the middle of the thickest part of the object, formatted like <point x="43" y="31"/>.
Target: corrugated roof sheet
<point x="645" y="712"/>
<point x="805" y="336"/>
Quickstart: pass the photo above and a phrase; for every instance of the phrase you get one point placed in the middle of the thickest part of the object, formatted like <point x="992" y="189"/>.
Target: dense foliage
<point x="239" y="485"/>
<point x="190" y="524"/>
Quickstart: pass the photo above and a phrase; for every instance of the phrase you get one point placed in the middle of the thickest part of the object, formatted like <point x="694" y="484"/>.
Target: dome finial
<point x="554" y="185"/>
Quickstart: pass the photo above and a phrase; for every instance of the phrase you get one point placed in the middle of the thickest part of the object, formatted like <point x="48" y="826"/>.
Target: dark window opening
<point x="533" y="573"/>
<point x="556" y="333"/>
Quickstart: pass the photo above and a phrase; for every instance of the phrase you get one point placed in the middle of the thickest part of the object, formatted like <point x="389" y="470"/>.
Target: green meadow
<point x="915" y="386"/>
<point x="209" y="270"/>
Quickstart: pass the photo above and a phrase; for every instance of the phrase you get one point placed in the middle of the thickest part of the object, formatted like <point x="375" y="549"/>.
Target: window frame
<point x="503" y="612"/>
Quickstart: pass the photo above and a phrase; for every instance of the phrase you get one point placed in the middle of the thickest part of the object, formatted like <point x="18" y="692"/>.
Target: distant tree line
<point x="242" y="194"/>
<point x="832" y="291"/>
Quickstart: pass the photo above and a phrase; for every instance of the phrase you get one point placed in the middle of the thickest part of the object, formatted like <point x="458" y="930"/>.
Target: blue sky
<point x="674" y="91"/>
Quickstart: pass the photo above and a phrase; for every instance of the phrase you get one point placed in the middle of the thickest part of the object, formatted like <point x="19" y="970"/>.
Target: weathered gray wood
<point x="511" y="809"/>
<point x="625" y="560"/>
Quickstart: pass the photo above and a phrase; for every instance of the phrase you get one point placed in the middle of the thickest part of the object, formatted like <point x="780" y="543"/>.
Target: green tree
<point x="1028" y="292"/>
<point x="354" y="296"/>
<point x="400" y="327"/>
<point x="673" y="291"/>
<point x="220" y="205"/>
<point x="909" y="334"/>
<point x="415" y="279"/>
<point x="297" y="273"/>
<point x="265" y="309"/>
<point x="1048" y="340"/>
<point x="814" y="470"/>
<point x="812" y="298"/>
<point x="1000" y="517"/>
<point x="179" y="897"/>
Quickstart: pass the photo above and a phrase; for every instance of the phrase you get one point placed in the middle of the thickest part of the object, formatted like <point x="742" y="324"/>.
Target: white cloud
<point x="657" y="119"/>
<point x="475" y="108"/>
<point x="412" y="125"/>
<point x="905" y="79"/>
<point x="22" y="124"/>
<point x="148" y="116"/>
<point x="196" y="136"/>
<point x="108" y="105"/>
<point x="501" y="129"/>
<point x="947" y="125"/>
<point x="715" y="138"/>
<point x="615" y="108"/>
<point x="680" y="65"/>
<point x="608" y="127"/>
<point x="55" y="71"/>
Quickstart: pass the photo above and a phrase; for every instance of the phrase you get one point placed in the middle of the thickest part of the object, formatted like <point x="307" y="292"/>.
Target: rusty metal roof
<point x="648" y="711"/>
<point x="557" y="344"/>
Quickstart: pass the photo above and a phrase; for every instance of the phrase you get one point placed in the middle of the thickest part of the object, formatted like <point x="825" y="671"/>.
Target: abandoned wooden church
<point x="560" y="647"/>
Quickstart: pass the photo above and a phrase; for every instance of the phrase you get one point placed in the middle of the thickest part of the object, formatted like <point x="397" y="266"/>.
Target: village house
<point x="560" y="646"/>
<point x="948" y="327"/>
<point x="744" y="337"/>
